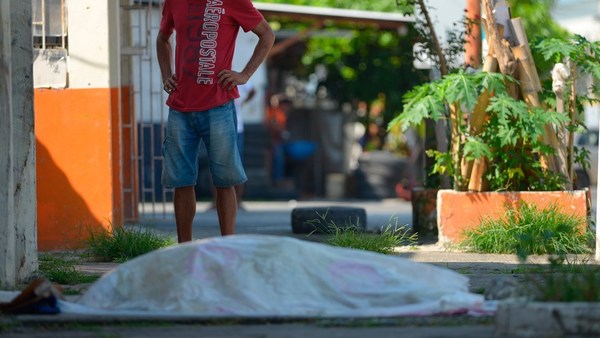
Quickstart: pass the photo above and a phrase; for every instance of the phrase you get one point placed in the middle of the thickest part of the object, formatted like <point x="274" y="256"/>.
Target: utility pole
<point x="18" y="233"/>
<point x="473" y="39"/>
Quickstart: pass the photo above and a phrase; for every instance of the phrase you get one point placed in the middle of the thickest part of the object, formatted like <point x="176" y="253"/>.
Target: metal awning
<point x="303" y="13"/>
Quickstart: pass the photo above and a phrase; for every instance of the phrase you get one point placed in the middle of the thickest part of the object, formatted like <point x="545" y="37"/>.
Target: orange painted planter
<point x="459" y="211"/>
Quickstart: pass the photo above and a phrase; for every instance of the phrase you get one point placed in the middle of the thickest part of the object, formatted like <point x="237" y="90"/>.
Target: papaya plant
<point x="508" y="138"/>
<point x="578" y="51"/>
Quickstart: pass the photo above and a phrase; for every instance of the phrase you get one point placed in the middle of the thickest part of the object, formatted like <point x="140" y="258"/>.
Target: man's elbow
<point x="270" y="38"/>
<point x="270" y="35"/>
<point x="161" y="39"/>
<point x="265" y="33"/>
<point x="267" y="39"/>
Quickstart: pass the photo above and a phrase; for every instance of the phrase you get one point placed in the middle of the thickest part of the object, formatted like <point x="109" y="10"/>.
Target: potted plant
<point x="511" y="135"/>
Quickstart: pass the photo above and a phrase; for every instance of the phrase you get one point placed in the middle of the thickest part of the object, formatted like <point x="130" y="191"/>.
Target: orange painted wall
<point x="78" y="164"/>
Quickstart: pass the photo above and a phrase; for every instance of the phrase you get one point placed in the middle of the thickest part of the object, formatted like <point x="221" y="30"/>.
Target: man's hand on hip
<point x="170" y="84"/>
<point x="229" y="79"/>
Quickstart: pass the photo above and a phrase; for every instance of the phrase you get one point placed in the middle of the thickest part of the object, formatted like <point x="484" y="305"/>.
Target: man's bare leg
<point x="239" y="192"/>
<point x="184" y="200"/>
<point x="226" y="210"/>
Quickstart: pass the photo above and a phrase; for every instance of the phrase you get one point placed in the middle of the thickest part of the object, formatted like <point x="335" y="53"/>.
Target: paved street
<point x="274" y="217"/>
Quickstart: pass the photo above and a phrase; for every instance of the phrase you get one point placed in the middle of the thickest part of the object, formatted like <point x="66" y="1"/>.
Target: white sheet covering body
<point x="254" y="275"/>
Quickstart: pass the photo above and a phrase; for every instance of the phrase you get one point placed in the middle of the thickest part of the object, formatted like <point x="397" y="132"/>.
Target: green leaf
<point x="515" y="173"/>
<point x="475" y="148"/>
<point x="556" y="49"/>
<point x="591" y="67"/>
<point x="420" y="103"/>
<point x="550" y="116"/>
<point x="443" y="162"/>
<point x="493" y="82"/>
<point x="461" y="88"/>
<point x="507" y="136"/>
<point x="504" y="104"/>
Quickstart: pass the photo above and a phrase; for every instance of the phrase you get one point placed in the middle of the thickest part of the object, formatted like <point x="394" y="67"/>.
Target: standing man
<point x="201" y="93"/>
<point x="246" y="92"/>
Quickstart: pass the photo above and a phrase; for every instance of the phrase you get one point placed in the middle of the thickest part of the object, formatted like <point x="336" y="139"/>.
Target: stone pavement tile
<point x="548" y="319"/>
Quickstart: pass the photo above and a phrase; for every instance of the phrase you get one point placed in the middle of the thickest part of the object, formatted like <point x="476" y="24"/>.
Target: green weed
<point x="567" y="282"/>
<point x="352" y="236"/>
<point x="122" y="244"/>
<point x="526" y="230"/>
<point x="72" y="292"/>
<point x="357" y="239"/>
<point x="62" y="270"/>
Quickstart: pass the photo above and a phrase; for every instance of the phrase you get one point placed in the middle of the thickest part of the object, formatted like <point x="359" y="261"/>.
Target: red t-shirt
<point x="204" y="45"/>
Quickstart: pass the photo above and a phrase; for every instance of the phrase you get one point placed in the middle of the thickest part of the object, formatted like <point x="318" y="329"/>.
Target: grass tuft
<point x="384" y="242"/>
<point x="352" y="236"/>
<point x="567" y="282"/>
<point x="123" y="244"/>
<point x="62" y="270"/>
<point x="526" y="230"/>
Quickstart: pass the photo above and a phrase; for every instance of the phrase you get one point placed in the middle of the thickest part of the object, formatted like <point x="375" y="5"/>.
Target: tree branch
<point x="434" y="39"/>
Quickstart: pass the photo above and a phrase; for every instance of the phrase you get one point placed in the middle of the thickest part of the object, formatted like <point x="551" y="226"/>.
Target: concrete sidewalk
<point x="313" y="329"/>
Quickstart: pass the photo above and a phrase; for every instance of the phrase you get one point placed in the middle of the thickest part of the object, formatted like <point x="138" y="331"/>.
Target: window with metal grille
<point x="49" y="24"/>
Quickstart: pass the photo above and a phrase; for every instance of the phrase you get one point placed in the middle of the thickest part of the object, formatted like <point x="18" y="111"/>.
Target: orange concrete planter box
<point x="458" y="211"/>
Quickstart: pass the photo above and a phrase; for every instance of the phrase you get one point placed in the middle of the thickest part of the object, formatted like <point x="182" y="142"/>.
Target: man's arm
<point x="228" y="79"/>
<point x="163" y="53"/>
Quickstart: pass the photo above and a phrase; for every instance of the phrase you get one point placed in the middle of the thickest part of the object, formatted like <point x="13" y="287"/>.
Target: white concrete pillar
<point x="18" y="238"/>
<point x="93" y="43"/>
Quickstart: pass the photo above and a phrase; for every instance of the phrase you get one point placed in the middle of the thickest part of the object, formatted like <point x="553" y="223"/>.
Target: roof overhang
<point x="304" y="13"/>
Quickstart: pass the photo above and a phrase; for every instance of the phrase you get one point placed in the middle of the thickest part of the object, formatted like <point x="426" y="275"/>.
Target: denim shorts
<point x="217" y="127"/>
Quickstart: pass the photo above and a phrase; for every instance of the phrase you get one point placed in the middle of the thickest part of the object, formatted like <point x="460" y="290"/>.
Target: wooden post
<point x="475" y="170"/>
<point x="18" y="237"/>
<point x="573" y="115"/>
<point x="476" y="181"/>
<point x="456" y="116"/>
<point x="506" y="60"/>
<point x="560" y="75"/>
<point x="501" y="47"/>
<point x="530" y="86"/>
